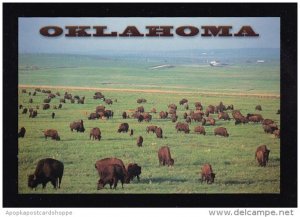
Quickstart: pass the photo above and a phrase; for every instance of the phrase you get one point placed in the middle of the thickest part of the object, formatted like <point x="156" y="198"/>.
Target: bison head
<point x="100" y="184"/>
<point x="172" y="162"/>
<point x="212" y="178"/>
<point x="32" y="181"/>
<point x="58" y="138"/>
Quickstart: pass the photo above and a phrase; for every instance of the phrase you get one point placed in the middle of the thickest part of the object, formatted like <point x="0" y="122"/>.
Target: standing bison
<point x="182" y="127"/>
<point x="123" y="128"/>
<point x="224" y="116"/>
<point x="47" y="169"/>
<point x="139" y="141"/>
<point x="78" y="126"/>
<point x="46" y="106"/>
<point x="262" y="155"/>
<point x="207" y="174"/>
<point x="111" y="174"/>
<point x="159" y="133"/>
<point x="133" y="170"/>
<point x="151" y="128"/>
<point x="164" y="156"/>
<point x="200" y="130"/>
<point x="221" y="131"/>
<point x="22" y="132"/>
<point x="53" y="134"/>
<point x="95" y="133"/>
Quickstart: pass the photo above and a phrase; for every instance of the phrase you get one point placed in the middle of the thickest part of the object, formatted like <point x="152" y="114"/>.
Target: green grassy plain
<point x="232" y="158"/>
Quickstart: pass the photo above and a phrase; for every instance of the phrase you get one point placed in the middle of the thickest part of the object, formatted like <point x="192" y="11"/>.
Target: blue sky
<point x="31" y="41"/>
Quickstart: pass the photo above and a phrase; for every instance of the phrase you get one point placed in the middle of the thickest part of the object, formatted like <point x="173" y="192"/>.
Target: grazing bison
<point x="111" y="174"/>
<point x="262" y="155"/>
<point x="255" y="118"/>
<point x="51" y="133"/>
<point x="159" y="133"/>
<point x="47" y="169"/>
<point x="198" y="106"/>
<point x="123" y="128"/>
<point x="95" y="133"/>
<point x="270" y="128"/>
<point x="24" y="111"/>
<point x="172" y="106"/>
<point x="140" y="109"/>
<point x="277" y="133"/>
<point x="38" y="89"/>
<point x="171" y="111"/>
<point x="140" y="118"/>
<point x="108" y="101"/>
<point x="230" y="107"/>
<point x="78" y="126"/>
<point x="131" y="132"/>
<point x="53" y="115"/>
<point x="181" y="102"/>
<point x="93" y="116"/>
<point x="108" y="114"/>
<point x="100" y="108"/>
<point x="211" y="121"/>
<point x="47" y="100"/>
<point x="207" y="174"/>
<point x="124" y="115"/>
<point x="267" y="122"/>
<point x="224" y="116"/>
<point x="30" y="100"/>
<point x="153" y="110"/>
<point x="22" y="132"/>
<point x="174" y="118"/>
<point x="221" y="131"/>
<point x="163" y="115"/>
<point x="133" y="170"/>
<point x="46" y="106"/>
<point x="81" y="101"/>
<point x="209" y="110"/>
<point x="147" y="117"/>
<point x="20" y="106"/>
<point x="139" y="141"/>
<point x="51" y="95"/>
<point x="258" y="107"/>
<point x="196" y="117"/>
<point x="200" y="130"/>
<point x="33" y="114"/>
<point x="185" y="115"/>
<point x="164" y="156"/>
<point x="151" y="128"/>
<point x="142" y="100"/>
<point x="100" y="165"/>
<point x="182" y="127"/>
<point x="60" y="106"/>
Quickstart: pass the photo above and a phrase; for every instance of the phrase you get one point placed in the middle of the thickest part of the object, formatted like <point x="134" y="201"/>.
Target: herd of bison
<point x="112" y="170"/>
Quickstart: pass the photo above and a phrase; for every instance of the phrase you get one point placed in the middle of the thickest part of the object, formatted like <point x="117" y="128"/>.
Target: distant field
<point x="232" y="158"/>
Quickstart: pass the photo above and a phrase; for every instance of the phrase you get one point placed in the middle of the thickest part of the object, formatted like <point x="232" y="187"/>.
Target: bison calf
<point x="133" y="170"/>
<point x="139" y="141"/>
<point x="47" y="169"/>
<point x="207" y="174"/>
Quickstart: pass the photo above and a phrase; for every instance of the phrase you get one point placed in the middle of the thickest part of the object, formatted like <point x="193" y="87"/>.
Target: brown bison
<point x="196" y="117"/>
<point x="221" y="131"/>
<point x="200" y="130"/>
<point x="47" y="169"/>
<point x="267" y="122"/>
<point x="153" y="110"/>
<point x="78" y="126"/>
<point x="277" y="133"/>
<point x="207" y="174"/>
<point x="46" y="106"/>
<point x="51" y="133"/>
<point x="108" y="101"/>
<point x="95" y="133"/>
<point x="81" y="101"/>
<point x="262" y="155"/>
<point x="159" y="133"/>
<point x="33" y="114"/>
<point x="174" y="118"/>
<point x="123" y="128"/>
<point x="24" y="111"/>
<point x="258" y="107"/>
<point x="140" y="109"/>
<point x="108" y="114"/>
<point x="164" y="156"/>
<point x="181" y="102"/>
<point x="124" y="115"/>
<point x="211" y="121"/>
<point x="172" y="106"/>
<point x="100" y="165"/>
<point x="140" y="118"/>
<point x="47" y="100"/>
<point x="111" y="174"/>
<point x="100" y="108"/>
<point x="224" y="116"/>
<point x="142" y="100"/>
<point x="188" y="119"/>
<point x="147" y="117"/>
<point x="182" y="127"/>
<point x="22" y="132"/>
<point x="133" y="170"/>
<point x="151" y="128"/>
<point x="163" y="115"/>
<point x="209" y="110"/>
<point x="270" y="128"/>
<point x="93" y="116"/>
<point x="139" y="141"/>
<point x="255" y="118"/>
